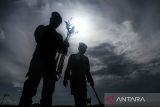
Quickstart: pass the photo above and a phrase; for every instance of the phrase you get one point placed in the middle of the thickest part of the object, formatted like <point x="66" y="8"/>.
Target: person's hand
<point x="65" y="48"/>
<point x="66" y="43"/>
<point x="65" y="83"/>
<point x="27" y="75"/>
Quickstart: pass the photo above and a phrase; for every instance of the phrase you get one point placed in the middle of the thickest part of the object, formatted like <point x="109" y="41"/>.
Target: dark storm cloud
<point x="113" y="64"/>
<point x="149" y="20"/>
<point x="13" y="44"/>
<point x="139" y="81"/>
<point x="5" y="7"/>
<point x="120" y="74"/>
<point x="143" y="13"/>
<point x="143" y="83"/>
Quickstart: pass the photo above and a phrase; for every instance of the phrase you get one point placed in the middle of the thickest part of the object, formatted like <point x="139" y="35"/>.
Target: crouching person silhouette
<point x="78" y="71"/>
<point x="43" y="63"/>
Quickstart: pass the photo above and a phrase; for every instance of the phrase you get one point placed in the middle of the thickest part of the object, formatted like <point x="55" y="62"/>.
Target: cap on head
<point x="55" y="19"/>
<point x="82" y="46"/>
<point x="56" y="16"/>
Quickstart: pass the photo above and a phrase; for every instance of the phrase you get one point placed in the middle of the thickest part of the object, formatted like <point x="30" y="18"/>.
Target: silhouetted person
<point x="78" y="71"/>
<point x="43" y="63"/>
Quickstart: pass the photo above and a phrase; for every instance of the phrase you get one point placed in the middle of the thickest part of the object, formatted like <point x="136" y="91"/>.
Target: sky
<point x="123" y="39"/>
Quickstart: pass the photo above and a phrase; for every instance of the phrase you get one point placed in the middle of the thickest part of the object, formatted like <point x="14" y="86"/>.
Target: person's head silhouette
<point x="82" y="48"/>
<point x="55" y="19"/>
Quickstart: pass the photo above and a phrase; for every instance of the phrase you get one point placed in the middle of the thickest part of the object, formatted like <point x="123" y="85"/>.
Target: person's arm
<point x="62" y="45"/>
<point x="67" y="72"/>
<point x="38" y="33"/>
<point x="88" y="74"/>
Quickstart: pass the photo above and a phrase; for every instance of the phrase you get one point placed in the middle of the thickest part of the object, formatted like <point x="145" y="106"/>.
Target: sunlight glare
<point x="82" y="25"/>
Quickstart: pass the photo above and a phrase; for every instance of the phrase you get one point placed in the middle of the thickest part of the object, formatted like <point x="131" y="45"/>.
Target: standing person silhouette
<point x="77" y="71"/>
<point x="43" y="63"/>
